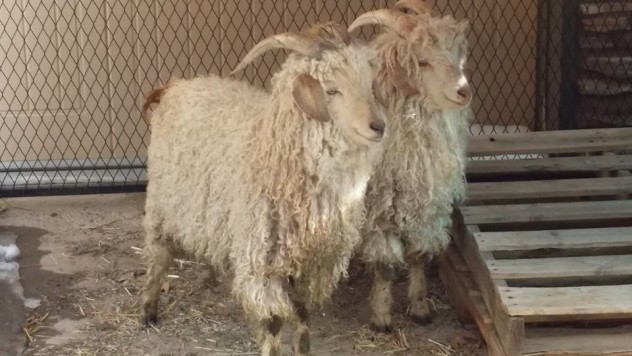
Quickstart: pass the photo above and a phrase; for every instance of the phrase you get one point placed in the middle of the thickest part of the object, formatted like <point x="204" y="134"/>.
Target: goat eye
<point x="333" y="92"/>
<point x="423" y="63"/>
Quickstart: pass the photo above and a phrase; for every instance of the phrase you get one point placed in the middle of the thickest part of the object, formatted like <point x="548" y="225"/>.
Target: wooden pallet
<point x="542" y="255"/>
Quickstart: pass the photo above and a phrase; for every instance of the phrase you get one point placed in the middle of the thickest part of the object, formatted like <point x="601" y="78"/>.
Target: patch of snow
<point x="8" y="266"/>
<point x="9" y="253"/>
<point x="9" y="270"/>
<point x="32" y="303"/>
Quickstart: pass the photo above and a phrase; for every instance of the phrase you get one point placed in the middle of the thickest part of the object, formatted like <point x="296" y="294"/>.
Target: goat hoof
<point x="382" y="328"/>
<point x="421" y="319"/>
<point x="150" y="320"/>
<point x="421" y="312"/>
<point x="150" y="313"/>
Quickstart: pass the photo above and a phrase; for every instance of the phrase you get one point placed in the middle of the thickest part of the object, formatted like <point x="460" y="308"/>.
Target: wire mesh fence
<point x="73" y="73"/>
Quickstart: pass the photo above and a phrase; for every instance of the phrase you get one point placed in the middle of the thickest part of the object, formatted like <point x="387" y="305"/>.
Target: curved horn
<point x="304" y="43"/>
<point x="331" y="31"/>
<point x="418" y="6"/>
<point x="402" y="23"/>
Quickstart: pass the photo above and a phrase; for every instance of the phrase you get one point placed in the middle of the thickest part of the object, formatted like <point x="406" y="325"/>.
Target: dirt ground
<point x="81" y="259"/>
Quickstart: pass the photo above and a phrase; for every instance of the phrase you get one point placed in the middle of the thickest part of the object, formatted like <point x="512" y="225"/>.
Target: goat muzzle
<point x="378" y="126"/>
<point x="464" y="94"/>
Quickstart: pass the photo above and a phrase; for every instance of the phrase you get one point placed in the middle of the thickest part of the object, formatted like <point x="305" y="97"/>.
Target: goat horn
<point x="402" y="23"/>
<point x="331" y="31"/>
<point x="418" y="6"/>
<point x="306" y="44"/>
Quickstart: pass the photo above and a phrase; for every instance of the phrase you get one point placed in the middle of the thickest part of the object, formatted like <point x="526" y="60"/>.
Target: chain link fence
<point x="73" y="73"/>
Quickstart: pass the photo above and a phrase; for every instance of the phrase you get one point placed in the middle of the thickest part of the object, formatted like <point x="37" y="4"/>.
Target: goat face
<point x="423" y="55"/>
<point x="343" y="94"/>
<point x="439" y="57"/>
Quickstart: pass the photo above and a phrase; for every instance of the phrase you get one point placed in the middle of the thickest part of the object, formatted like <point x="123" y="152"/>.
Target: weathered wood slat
<point x="548" y="212"/>
<point x="467" y="298"/>
<point x="510" y="330"/>
<point x="541" y="304"/>
<point x="595" y="41"/>
<point x="456" y="278"/>
<point x="558" y="164"/>
<point x="607" y="22"/>
<point x="621" y="40"/>
<point x="553" y="188"/>
<point x="609" y="105"/>
<point x="504" y="259"/>
<point x="552" y="142"/>
<point x="585" y="266"/>
<point x="619" y="67"/>
<point x="604" y="7"/>
<point x="613" y="237"/>
<point x="541" y="341"/>
<point x="601" y="86"/>
<point x="608" y="44"/>
<point x="578" y="342"/>
<point x="592" y="120"/>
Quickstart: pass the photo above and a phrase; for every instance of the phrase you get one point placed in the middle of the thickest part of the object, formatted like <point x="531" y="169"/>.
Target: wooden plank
<point x="593" y="121"/>
<point x="552" y="142"/>
<point x="621" y="39"/>
<point x="603" y="86"/>
<point x="617" y="105"/>
<point x="608" y="44"/>
<point x="586" y="119"/>
<point x="614" y="237"/>
<point x="465" y="295"/>
<point x="578" y="342"/>
<point x="558" y="164"/>
<point x="616" y="66"/>
<point x="595" y="41"/>
<point x="568" y="303"/>
<point x="508" y="336"/>
<point x="457" y="289"/>
<point x="607" y="22"/>
<point x="494" y="346"/>
<point x="510" y="330"/>
<point x="554" y="188"/>
<point x="604" y="7"/>
<point x="548" y="212"/>
<point x="560" y="267"/>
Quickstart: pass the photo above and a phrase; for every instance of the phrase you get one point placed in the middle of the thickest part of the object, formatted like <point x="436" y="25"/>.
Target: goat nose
<point x="464" y="93"/>
<point x="378" y="126"/>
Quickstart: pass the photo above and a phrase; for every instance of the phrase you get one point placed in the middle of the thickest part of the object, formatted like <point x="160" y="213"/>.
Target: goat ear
<point x="308" y="95"/>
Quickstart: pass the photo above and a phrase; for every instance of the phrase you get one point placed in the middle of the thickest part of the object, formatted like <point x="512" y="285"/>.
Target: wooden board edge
<point x="479" y="193"/>
<point x="566" y="213"/>
<point x="511" y="330"/>
<point x="460" y="283"/>
<point x="468" y="309"/>
<point x="457" y="291"/>
<point x="557" y="141"/>
<point x="567" y="341"/>
<point x="576" y="166"/>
